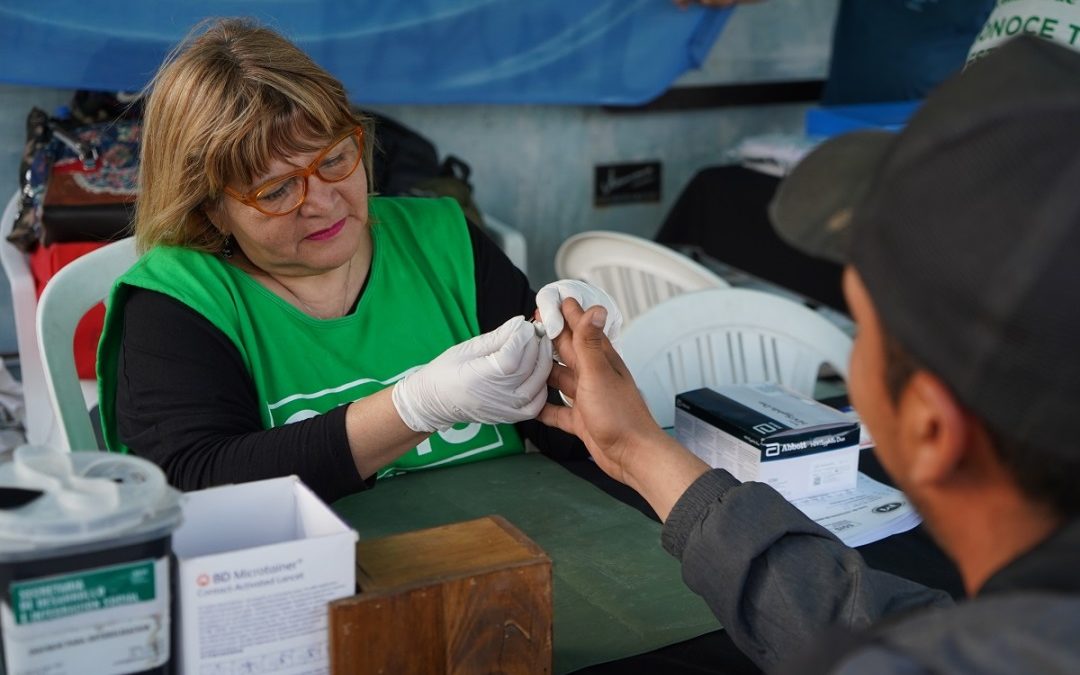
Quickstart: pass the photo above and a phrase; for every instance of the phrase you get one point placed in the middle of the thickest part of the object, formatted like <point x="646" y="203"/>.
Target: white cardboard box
<point x="768" y="433"/>
<point x="258" y="563"/>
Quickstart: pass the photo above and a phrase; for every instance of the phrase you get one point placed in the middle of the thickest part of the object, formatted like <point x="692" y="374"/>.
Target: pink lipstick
<point x="328" y="232"/>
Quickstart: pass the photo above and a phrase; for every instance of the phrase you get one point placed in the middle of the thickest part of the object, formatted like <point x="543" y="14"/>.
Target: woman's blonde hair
<point x="223" y="106"/>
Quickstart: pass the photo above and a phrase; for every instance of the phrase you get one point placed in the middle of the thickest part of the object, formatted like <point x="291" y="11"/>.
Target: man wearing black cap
<point x="961" y="236"/>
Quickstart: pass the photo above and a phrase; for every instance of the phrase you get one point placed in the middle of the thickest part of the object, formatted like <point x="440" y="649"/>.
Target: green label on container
<point x="71" y="594"/>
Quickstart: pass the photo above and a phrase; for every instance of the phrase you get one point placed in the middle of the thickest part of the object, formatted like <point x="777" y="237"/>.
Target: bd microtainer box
<point x="770" y="434"/>
<point x="257" y="565"/>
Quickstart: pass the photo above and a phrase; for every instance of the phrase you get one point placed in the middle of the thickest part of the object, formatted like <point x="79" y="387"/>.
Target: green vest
<point x="420" y="300"/>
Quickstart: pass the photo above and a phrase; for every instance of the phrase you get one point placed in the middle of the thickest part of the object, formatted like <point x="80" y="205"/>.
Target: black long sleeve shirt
<point x="185" y="400"/>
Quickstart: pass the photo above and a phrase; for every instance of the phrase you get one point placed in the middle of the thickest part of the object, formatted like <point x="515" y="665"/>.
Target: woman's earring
<point x="226" y="246"/>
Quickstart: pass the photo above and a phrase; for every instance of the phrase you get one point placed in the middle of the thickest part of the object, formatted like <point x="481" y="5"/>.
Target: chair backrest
<point x="636" y="272"/>
<point x="728" y="336"/>
<point x="37" y="414"/>
<point x="38" y="419"/>
<point x="67" y="297"/>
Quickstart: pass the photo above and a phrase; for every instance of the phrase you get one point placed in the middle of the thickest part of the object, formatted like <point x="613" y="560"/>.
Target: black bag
<point x="407" y="163"/>
<point x="402" y="157"/>
<point x="723" y="211"/>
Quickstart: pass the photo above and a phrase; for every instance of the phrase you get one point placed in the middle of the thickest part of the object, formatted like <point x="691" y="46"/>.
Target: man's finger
<point x="588" y="330"/>
<point x="564" y="347"/>
<point x="572" y="311"/>
<point x="562" y="378"/>
<point x="564" y="343"/>
<point x="558" y="416"/>
<point x="594" y="357"/>
<point x="615" y="359"/>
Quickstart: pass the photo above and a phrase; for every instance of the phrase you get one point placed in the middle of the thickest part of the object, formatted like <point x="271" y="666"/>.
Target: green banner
<point x="87" y="591"/>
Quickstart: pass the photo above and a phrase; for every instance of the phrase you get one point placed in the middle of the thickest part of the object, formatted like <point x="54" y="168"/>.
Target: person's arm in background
<point x="774" y="578"/>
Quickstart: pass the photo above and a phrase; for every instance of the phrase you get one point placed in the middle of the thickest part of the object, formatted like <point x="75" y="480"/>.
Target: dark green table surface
<point x="616" y="592"/>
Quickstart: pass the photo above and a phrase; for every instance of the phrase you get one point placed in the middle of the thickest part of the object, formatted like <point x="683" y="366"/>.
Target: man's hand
<point x="608" y="413"/>
<point x="610" y="416"/>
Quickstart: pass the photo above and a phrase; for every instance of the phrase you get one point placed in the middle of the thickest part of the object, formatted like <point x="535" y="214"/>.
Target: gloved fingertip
<point x="536" y="404"/>
<point x="514" y="323"/>
<point x="546" y="346"/>
<point x="554" y="325"/>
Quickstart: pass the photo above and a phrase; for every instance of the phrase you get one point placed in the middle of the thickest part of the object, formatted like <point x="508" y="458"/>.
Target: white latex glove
<point x="550" y="298"/>
<point x="493" y="378"/>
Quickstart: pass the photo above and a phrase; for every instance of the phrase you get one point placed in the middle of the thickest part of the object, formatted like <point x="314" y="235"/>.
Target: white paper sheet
<point x="866" y="513"/>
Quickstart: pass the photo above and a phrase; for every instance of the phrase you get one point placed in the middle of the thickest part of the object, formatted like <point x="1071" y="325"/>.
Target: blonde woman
<point x="283" y="321"/>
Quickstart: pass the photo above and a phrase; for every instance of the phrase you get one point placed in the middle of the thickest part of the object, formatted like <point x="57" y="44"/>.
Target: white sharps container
<point x="85" y="569"/>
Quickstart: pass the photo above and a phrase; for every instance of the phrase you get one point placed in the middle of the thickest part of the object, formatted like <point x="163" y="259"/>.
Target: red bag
<point x="45" y="262"/>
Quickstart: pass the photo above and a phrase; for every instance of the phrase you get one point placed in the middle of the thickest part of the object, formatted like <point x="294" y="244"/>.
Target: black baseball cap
<point x="965" y="230"/>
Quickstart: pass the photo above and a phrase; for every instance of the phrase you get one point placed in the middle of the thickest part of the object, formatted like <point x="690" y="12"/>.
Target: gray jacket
<point x="779" y="583"/>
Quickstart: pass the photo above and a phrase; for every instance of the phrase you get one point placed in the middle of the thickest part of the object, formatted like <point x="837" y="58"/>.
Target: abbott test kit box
<point x="258" y="563"/>
<point x="770" y="434"/>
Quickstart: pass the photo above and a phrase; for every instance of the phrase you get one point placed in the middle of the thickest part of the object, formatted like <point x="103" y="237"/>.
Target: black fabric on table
<point x="723" y="211"/>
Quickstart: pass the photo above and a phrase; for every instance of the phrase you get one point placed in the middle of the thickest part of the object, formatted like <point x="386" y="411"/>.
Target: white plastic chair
<point x="728" y="336"/>
<point x="39" y="421"/>
<point x="67" y="297"/>
<point x="636" y="272"/>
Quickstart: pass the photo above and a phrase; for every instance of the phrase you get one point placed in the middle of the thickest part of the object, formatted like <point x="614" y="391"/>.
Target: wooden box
<point x="471" y="597"/>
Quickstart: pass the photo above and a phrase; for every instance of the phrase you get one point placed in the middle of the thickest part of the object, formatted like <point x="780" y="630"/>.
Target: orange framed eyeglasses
<point x="284" y="194"/>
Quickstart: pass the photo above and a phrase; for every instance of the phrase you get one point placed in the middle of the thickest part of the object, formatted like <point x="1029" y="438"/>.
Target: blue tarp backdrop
<point x="385" y="51"/>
